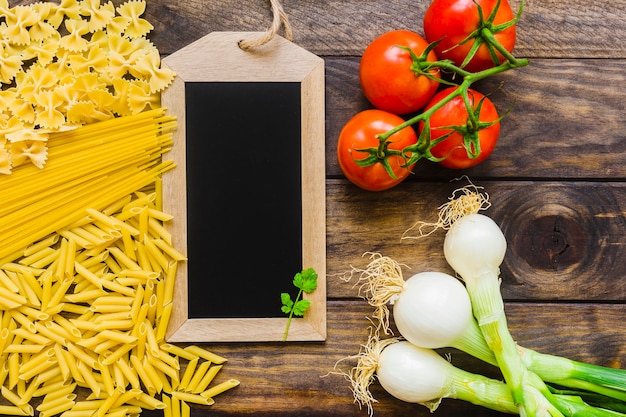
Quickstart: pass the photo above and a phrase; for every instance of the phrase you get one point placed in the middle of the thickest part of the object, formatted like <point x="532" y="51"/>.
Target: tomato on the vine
<point x="462" y="145"/>
<point x="387" y="75"/>
<point x="364" y="160"/>
<point x="451" y="22"/>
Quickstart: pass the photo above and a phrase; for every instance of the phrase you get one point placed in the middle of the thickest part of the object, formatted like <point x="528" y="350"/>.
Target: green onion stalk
<point x="421" y="376"/>
<point x="433" y="310"/>
<point x="474" y="247"/>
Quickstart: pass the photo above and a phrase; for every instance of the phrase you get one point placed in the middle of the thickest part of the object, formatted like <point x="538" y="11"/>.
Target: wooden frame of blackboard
<point x="217" y="58"/>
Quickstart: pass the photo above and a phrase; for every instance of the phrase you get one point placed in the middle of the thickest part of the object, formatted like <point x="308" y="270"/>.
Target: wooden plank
<point x="343" y="28"/>
<point x="270" y="373"/>
<point x="565" y="240"/>
<point x="566" y="121"/>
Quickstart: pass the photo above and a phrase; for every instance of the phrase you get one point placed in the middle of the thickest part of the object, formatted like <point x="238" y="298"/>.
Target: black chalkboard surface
<point x="243" y="196"/>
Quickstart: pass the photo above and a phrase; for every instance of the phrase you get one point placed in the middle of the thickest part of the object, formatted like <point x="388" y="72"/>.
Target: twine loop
<point x="279" y="17"/>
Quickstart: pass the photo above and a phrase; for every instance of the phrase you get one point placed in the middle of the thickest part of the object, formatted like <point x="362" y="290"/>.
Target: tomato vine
<point x="484" y="34"/>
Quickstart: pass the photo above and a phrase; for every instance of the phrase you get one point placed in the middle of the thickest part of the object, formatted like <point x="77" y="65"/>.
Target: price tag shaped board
<point x="248" y="190"/>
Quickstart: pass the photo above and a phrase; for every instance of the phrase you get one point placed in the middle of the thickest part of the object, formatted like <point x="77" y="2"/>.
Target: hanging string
<point x="280" y="17"/>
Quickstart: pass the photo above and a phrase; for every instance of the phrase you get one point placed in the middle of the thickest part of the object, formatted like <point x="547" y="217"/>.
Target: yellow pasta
<point x="193" y="383"/>
<point x="23" y="348"/>
<point x="50" y="375"/>
<point x="146" y="401"/>
<point x="176" y="407"/>
<point x="205" y="354"/>
<point x="167" y="410"/>
<point x="33" y="313"/>
<point x="153" y="374"/>
<point x="42" y="244"/>
<point x="73" y="332"/>
<point x="7" y="283"/>
<point x="41" y="365"/>
<point x="88" y="377"/>
<point x="129" y="374"/>
<point x="188" y="374"/>
<point x="94" y="316"/>
<point x="185" y="410"/>
<point x="208" y="378"/>
<point x="192" y="398"/>
<point x="13" y="410"/>
<point x="167" y="248"/>
<point x="163" y="322"/>
<point x="178" y="351"/>
<point x="118" y="353"/>
<point x="220" y="388"/>
<point x="33" y="337"/>
<point x="55" y="405"/>
<point x="25" y="321"/>
<point x="143" y="375"/>
<point x="14" y="298"/>
<point x="170" y="371"/>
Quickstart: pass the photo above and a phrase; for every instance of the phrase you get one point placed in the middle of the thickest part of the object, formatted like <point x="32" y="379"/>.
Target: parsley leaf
<point x="306" y="282"/>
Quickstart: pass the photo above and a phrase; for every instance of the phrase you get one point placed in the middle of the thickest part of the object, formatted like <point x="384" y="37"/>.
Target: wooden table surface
<point x="557" y="183"/>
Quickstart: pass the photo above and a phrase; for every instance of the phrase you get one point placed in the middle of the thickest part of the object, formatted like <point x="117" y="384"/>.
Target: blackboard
<point x="243" y="194"/>
<point x="248" y="192"/>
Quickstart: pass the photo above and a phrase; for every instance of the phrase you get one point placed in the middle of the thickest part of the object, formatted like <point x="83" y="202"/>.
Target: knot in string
<point x="280" y="17"/>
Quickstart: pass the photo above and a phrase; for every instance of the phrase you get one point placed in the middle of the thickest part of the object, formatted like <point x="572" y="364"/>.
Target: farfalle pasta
<point x="69" y="64"/>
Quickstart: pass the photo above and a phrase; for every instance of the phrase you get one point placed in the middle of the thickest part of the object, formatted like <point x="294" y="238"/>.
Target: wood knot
<point x="552" y="242"/>
<point x="563" y="242"/>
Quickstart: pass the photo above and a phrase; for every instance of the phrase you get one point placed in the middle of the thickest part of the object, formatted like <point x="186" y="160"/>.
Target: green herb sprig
<point x="306" y="282"/>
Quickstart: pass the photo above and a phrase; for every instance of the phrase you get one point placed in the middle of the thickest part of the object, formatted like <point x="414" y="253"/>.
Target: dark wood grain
<point x="565" y="239"/>
<point x="566" y="121"/>
<point x="548" y="29"/>
<point x="557" y="183"/>
<point x="293" y="380"/>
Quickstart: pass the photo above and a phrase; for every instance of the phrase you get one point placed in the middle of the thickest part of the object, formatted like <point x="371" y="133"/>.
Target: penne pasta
<point x="185" y="410"/>
<point x="13" y="410"/>
<point x="220" y="388"/>
<point x="146" y="401"/>
<point x="167" y="410"/>
<point x="198" y="374"/>
<point x="56" y="404"/>
<point x="143" y="375"/>
<point x="153" y="374"/>
<point x="86" y="295"/>
<point x="178" y="351"/>
<point x="208" y="378"/>
<point x="132" y="377"/>
<point x="193" y="398"/>
<point x="42" y="244"/>
<point x="118" y="353"/>
<point x="163" y="322"/>
<point x="23" y="348"/>
<point x="188" y="374"/>
<point x="205" y="354"/>
<point x="176" y="408"/>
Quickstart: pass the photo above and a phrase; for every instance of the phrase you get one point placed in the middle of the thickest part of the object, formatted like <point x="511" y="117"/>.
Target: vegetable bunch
<point x="434" y="310"/>
<point x="421" y="88"/>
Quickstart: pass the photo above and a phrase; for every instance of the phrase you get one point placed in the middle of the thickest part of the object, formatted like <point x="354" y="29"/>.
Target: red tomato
<point x="452" y="21"/>
<point x="387" y="79"/>
<point x="361" y="133"/>
<point x="454" y="113"/>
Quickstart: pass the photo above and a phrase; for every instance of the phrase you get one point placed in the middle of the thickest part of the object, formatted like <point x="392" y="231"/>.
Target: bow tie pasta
<point x="70" y="64"/>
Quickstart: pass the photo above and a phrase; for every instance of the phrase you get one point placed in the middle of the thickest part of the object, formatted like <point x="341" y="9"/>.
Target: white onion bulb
<point x="433" y="310"/>
<point x="413" y="374"/>
<point x="474" y="246"/>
